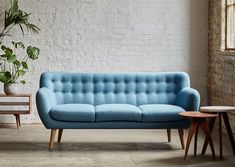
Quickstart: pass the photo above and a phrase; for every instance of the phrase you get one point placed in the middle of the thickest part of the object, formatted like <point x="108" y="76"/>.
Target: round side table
<point x="198" y="120"/>
<point x="223" y="112"/>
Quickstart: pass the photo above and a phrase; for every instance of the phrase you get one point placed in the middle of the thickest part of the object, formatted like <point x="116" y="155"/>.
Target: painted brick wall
<point x="118" y="35"/>
<point x="221" y="78"/>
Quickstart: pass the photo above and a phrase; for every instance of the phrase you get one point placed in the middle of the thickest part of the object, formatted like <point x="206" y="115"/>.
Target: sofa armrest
<point x="189" y="99"/>
<point x="45" y="99"/>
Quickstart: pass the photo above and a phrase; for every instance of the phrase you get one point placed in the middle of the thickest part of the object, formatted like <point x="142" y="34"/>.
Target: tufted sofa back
<point x="106" y="88"/>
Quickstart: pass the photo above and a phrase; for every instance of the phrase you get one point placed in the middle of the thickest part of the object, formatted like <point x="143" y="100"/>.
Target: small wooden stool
<point x="222" y="111"/>
<point x="198" y="120"/>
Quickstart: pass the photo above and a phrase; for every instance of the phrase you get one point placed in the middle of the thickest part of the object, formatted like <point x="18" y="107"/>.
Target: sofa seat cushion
<point x="117" y="112"/>
<point x="160" y="112"/>
<point x="73" y="112"/>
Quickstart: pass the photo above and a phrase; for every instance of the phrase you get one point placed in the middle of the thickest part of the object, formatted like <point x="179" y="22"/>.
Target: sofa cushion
<point x="160" y="112"/>
<point x="73" y="112"/>
<point x="117" y="112"/>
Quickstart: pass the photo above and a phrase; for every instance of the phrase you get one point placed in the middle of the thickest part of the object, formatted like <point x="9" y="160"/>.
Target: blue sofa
<point x="115" y="100"/>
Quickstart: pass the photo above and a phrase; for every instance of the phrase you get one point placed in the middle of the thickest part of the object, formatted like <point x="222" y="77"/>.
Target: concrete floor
<point x="100" y="148"/>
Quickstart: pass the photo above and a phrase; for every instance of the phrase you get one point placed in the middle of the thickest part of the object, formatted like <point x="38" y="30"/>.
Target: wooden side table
<point x="198" y="120"/>
<point x="16" y="112"/>
<point x="223" y="112"/>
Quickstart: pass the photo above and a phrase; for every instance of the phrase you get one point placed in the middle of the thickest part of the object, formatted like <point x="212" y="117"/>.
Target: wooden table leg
<point x="229" y="131"/>
<point x="17" y="120"/>
<point x="220" y="136"/>
<point x="211" y="125"/>
<point x="192" y="129"/>
<point x="195" y="141"/>
<point x="205" y="128"/>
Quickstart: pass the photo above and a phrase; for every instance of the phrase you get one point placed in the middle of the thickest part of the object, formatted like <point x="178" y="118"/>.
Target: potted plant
<point x="14" y="65"/>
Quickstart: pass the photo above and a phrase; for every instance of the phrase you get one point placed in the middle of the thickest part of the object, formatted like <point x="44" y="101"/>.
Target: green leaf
<point x="32" y="28"/>
<point x="23" y="82"/>
<point x="21" y="72"/>
<point x="16" y="17"/>
<point x="17" y="63"/>
<point x="14" y="43"/>
<point x="5" y="77"/>
<point x="14" y="6"/>
<point x="24" y="64"/>
<point x="6" y="19"/>
<point x="33" y="52"/>
<point x="20" y="44"/>
<point x="2" y="77"/>
<point x="3" y="47"/>
<point x="22" y="30"/>
<point x="11" y="58"/>
<point x="8" y="51"/>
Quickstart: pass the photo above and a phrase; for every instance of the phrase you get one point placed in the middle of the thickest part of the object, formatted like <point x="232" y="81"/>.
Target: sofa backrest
<point x="106" y="88"/>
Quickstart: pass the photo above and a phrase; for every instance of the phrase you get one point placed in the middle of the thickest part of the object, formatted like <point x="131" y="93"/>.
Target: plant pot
<point x="11" y="89"/>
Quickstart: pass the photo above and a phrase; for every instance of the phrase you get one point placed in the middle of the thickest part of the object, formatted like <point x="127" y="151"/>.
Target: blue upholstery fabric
<point x="117" y="112"/>
<point x="160" y="112"/>
<point x="172" y="88"/>
<point x="54" y="124"/>
<point x="73" y="112"/>
<point x="189" y="99"/>
<point x="106" y="88"/>
<point x="45" y="99"/>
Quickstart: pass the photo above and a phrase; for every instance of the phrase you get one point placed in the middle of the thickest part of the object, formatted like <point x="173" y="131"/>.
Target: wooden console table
<point x="16" y="103"/>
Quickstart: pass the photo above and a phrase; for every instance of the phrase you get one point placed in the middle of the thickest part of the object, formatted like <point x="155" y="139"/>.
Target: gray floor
<point x="28" y="147"/>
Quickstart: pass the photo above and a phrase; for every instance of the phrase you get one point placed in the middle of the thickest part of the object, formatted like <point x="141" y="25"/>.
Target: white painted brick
<point x="117" y="35"/>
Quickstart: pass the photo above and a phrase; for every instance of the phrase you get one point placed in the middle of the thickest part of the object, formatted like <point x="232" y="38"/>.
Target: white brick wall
<point x="118" y="35"/>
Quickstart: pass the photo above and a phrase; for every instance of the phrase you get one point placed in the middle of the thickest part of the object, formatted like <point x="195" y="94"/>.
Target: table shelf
<point x="14" y="103"/>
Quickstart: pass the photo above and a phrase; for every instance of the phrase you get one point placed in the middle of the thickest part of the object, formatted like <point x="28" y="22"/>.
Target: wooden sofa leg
<point x="52" y="138"/>
<point x="181" y="134"/>
<point x="60" y="135"/>
<point x="169" y="135"/>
